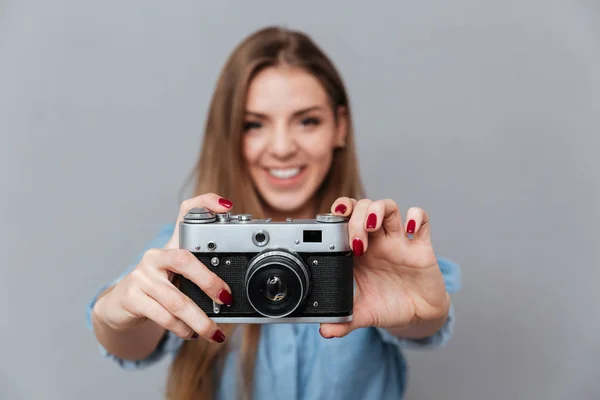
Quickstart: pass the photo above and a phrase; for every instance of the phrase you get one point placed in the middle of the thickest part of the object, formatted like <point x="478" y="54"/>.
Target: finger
<point x="337" y="330"/>
<point x="143" y="305"/>
<point x="383" y="217"/>
<point x="417" y="225"/>
<point x="356" y="227"/>
<point x="360" y="319"/>
<point x="210" y="201"/>
<point x="343" y="206"/>
<point x="375" y="213"/>
<point x="184" y="263"/>
<point x="184" y="309"/>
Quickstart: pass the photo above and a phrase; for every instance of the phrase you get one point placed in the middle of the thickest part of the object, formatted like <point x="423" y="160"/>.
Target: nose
<point x="282" y="143"/>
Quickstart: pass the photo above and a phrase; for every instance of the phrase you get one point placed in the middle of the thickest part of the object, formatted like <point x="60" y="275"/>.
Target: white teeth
<point x="284" y="173"/>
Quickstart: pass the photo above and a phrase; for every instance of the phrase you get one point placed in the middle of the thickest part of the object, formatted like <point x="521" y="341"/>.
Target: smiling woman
<point x="279" y="143"/>
<point x="290" y="134"/>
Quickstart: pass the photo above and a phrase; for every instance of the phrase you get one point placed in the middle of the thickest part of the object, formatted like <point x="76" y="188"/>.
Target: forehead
<point x="284" y="89"/>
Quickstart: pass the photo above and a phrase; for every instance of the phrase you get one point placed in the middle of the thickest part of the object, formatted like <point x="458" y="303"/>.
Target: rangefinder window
<point x="313" y="236"/>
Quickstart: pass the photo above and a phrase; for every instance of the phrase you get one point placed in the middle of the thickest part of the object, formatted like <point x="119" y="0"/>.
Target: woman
<point x="279" y="143"/>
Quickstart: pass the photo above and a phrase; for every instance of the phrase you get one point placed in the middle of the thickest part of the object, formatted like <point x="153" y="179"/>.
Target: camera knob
<point x="244" y="217"/>
<point x="199" y="215"/>
<point x="330" y="218"/>
<point x="223" y="217"/>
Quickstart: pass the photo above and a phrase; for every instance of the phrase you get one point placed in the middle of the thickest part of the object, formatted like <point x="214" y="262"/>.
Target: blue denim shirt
<point x="295" y="362"/>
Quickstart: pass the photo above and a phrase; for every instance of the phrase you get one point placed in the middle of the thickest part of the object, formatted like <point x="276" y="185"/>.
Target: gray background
<point x="483" y="113"/>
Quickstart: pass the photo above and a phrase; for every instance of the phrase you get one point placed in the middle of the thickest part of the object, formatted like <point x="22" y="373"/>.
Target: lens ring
<point x="290" y="304"/>
<point x="259" y="299"/>
<point x="260" y="237"/>
<point x="281" y="264"/>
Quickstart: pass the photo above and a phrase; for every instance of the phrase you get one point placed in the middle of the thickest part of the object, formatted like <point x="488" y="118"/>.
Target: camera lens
<point x="277" y="283"/>
<point x="274" y="288"/>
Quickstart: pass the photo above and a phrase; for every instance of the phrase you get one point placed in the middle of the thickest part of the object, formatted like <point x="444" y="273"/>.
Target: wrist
<point x="423" y="326"/>
<point x="99" y="314"/>
<point x="100" y="317"/>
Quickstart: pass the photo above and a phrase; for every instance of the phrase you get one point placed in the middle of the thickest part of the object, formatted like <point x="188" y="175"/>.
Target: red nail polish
<point x="357" y="247"/>
<point x="410" y="227"/>
<point x="218" y="337"/>
<point x="225" y="202"/>
<point x="341" y="208"/>
<point x="225" y="297"/>
<point x="371" y="221"/>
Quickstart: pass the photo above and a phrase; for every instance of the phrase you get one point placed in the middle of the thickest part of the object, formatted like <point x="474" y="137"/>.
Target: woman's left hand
<point x="399" y="285"/>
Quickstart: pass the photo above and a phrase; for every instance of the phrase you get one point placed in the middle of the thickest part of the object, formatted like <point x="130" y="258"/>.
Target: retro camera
<point x="297" y="271"/>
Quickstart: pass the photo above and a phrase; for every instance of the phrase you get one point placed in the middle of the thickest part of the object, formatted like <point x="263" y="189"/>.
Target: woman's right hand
<point x="148" y="292"/>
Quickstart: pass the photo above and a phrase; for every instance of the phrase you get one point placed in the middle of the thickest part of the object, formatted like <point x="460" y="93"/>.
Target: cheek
<point x="252" y="148"/>
<point x="318" y="147"/>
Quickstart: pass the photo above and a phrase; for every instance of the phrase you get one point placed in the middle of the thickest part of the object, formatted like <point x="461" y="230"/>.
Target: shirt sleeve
<point x="169" y="344"/>
<point x="452" y="279"/>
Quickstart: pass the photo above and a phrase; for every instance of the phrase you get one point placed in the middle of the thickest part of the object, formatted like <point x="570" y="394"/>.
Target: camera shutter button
<point x="245" y="217"/>
<point x="223" y="217"/>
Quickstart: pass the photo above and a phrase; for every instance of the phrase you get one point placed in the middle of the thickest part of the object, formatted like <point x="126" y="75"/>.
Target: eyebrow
<point x="296" y="113"/>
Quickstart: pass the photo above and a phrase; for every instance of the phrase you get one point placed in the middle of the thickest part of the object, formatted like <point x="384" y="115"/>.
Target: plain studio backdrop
<point x="486" y="114"/>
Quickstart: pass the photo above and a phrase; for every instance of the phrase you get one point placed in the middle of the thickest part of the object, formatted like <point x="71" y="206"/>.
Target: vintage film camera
<point x="297" y="271"/>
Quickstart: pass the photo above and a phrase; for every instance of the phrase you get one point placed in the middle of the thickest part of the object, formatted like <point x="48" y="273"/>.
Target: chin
<point x="285" y="197"/>
<point x="286" y="203"/>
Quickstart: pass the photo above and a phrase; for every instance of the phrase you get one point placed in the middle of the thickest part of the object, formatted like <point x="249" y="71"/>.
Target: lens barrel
<point x="277" y="283"/>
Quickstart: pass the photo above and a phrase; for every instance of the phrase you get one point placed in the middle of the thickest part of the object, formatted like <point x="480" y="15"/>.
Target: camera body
<point x="297" y="271"/>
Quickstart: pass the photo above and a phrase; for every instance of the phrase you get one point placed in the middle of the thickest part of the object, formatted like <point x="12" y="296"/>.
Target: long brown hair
<point x="194" y="371"/>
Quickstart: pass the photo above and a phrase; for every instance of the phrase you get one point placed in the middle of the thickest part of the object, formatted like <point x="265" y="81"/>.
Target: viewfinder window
<point x="313" y="236"/>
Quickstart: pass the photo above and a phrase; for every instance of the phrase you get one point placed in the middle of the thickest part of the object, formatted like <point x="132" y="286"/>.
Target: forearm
<point x="133" y="344"/>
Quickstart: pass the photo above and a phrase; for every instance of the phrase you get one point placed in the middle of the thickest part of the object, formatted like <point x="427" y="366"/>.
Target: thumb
<point x="336" y="330"/>
<point x="361" y="318"/>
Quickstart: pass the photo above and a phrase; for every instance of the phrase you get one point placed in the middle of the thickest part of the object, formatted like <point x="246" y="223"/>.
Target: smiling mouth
<point x="284" y="173"/>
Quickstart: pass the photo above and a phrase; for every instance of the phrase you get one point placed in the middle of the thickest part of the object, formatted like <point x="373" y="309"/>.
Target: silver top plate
<point x="253" y="236"/>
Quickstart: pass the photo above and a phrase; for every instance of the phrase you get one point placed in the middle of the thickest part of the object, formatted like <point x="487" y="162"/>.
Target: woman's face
<point x="290" y="134"/>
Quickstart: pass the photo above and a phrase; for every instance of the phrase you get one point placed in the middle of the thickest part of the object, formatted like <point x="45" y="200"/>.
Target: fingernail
<point x="371" y="221"/>
<point x="218" y="337"/>
<point x="410" y="227"/>
<point x="195" y="336"/>
<point x="225" y="202"/>
<point x="357" y="247"/>
<point x="225" y="297"/>
<point x="341" y="208"/>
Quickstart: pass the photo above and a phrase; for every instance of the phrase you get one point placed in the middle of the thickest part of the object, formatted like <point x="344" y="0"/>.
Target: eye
<point x="251" y="125"/>
<point x="310" y="121"/>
